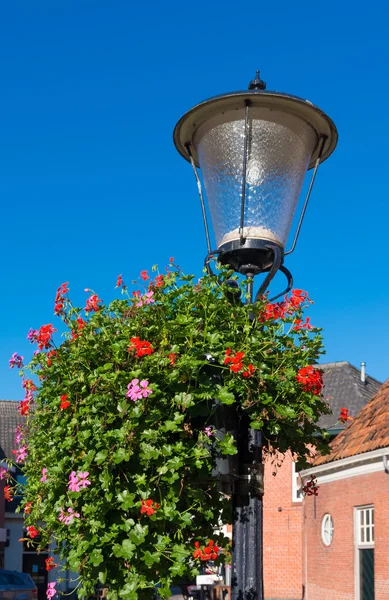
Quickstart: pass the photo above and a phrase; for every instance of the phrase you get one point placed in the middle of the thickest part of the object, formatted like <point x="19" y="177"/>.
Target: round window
<point x="327" y="529"/>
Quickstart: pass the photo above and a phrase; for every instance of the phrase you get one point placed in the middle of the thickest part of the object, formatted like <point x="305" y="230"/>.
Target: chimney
<point x="363" y="372"/>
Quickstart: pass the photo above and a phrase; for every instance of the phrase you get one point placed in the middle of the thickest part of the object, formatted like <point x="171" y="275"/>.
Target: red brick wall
<point x="282" y="537"/>
<point x="329" y="571"/>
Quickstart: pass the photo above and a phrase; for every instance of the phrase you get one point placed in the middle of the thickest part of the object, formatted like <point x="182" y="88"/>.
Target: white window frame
<point x="297" y="491"/>
<point x="327" y="529"/>
<point x="358" y="543"/>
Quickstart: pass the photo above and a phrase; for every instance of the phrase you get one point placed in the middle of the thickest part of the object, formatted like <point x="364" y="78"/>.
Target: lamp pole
<point x="254" y="148"/>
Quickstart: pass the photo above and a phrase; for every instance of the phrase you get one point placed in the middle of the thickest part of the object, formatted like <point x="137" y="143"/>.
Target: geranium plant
<point x="120" y="442"/>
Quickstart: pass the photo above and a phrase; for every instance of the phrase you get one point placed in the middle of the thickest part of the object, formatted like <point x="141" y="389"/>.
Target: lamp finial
<point x="257" y="83"/>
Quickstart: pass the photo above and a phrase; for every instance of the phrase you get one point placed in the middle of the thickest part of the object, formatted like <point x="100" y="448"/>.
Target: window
<point x="365" y="526"/>
<point x="327" y="530"/>
<point x="297" y="492"/>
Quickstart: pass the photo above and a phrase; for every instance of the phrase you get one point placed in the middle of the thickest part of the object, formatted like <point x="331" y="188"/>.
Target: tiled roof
<point x="9" y="419"/>
<point x="343" y="388"/>
<point x="368" y="431"/>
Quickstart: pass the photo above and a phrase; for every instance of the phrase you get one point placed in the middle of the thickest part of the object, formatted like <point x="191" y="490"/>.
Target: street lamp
<point x="253" y="148"/>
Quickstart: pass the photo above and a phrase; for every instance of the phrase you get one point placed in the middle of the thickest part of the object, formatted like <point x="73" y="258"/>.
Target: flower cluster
<point x="78" y="481"/>
<point x="92" y="303"/>
<point x="4" y="473"/>
<point x="43" y="479"/>
<point x="310" y="487"/>
<point x="51" y="591"/>
<point x="8" y="493"/>
<point x="311" y="379"/>
<point x="32" y="531"/>
<point x="148" y="507"/>
<point x="236" y="363"/>
<point x="25" y="404"/>
<point x="43" y="336"/>
<point x="300" y="324"/>
<point x="290" y="304"/>
<point x="64" y="402"/>
<point x="344" y="416"/>
<point x="119" y="282"/>
<point x="28" y="508"/>
<point x="140" y="347"/>
<point x="16" y="361"/>
<point x="60" y="298"/>
<point x="80" y="324"/>
<point x="50" y="564"/>
<point x="208" y="552"/>
<point x="146" y="299"/>
<point x="68" y="518"/>
<point x="138" y="389"/>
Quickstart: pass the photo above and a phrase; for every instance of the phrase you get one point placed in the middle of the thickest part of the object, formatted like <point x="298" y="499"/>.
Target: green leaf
<point x="101" y="456"/>
<point x="96" y="557"/>
<point x="138" y="534"/>
<point x="225" y="396"/>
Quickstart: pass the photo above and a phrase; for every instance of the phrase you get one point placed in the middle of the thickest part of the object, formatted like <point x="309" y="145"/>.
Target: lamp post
<point x="253" y="148"/>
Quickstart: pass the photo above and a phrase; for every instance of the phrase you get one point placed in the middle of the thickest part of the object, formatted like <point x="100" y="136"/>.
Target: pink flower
<point x="148" y="298"/>
<point x="83" y="481"/>
<point x="44" y="475"/>
<point x="78" y="481"/>
<point x="16" y="361"/>
<point x="136" y="392"/>
<point x="4" y="474"/>
<point x="51" y="591"/>
<point x="74" y="485"/>
<point x="208" y="431"/>
<point x="68" y="518"/>
<point x="19" y="437"/>
<point x="145" y="390"/>
<point x="21" y="454"/>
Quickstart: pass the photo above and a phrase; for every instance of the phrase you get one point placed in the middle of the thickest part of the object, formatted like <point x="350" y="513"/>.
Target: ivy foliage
<point x="149" y="462"/>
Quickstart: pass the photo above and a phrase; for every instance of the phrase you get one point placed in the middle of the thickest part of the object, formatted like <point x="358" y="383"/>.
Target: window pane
<point x="372" y="516"/>
<point x="362" y="516"/>
<point x="367" y="535"/>
<point x="362" y="535"/>
<point x="368" y="517"/>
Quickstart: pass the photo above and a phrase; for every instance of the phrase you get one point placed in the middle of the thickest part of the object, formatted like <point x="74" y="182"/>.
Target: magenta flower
<point x="16" y="361"/>
<point x="32" y="335"/>
<point x="208" y="431"/>
<point x="44" y="475"/>
<point x="19" y="437"/>
<point x="51" y="591"/>
<point x="4" y="473"/>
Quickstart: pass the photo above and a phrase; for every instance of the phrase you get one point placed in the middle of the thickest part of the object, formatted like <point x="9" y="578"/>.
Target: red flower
<point x="310" y="379"/>
<point x="158" y="281"/>
<point x="236" y="361"/>
<point x="171" y="259"/>
<point x="141" y="347"/>
<point x="147" y="507"/>
<point x="50" y="564"/>
<point x="249" y="371"/>
<point x="80" y="326"/>
<point x="310" y="488"/>
<point x="60" y="298"/>
<point x="272" y="312"/>
<point x="28" y="507"/>
<point x="64" y="402"/>
<point x="299" y="324"/>
<point x="50" y="355"/>
<point x="172" y="358"/>
<point x="144" y="275"/>
<point x="32" y="531"/>
<point x="344" y="416"/>
<point x="119" y="282"/>
<point x="28" y="384"/>
<point x="44" y="336"/>
<point x="208" y="552"/>
<point x="297" y="298"/>
<point x="8" y="493"/>
<point x="92" y="304"/>
<point x="24" y="407"/>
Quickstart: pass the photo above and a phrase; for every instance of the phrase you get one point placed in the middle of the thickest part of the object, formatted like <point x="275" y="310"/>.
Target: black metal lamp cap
<point x="257" y="83"/>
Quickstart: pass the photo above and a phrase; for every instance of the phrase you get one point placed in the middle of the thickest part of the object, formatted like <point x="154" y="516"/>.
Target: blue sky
<point x="92" y="186"/>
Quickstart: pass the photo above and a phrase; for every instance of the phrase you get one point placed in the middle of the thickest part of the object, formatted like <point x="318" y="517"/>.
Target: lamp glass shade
<point x="279" y="150"/>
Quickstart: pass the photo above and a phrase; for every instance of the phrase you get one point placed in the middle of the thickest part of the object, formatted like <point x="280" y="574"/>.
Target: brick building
<point x="344" y="386"/>
<point x="346" y="527"/>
